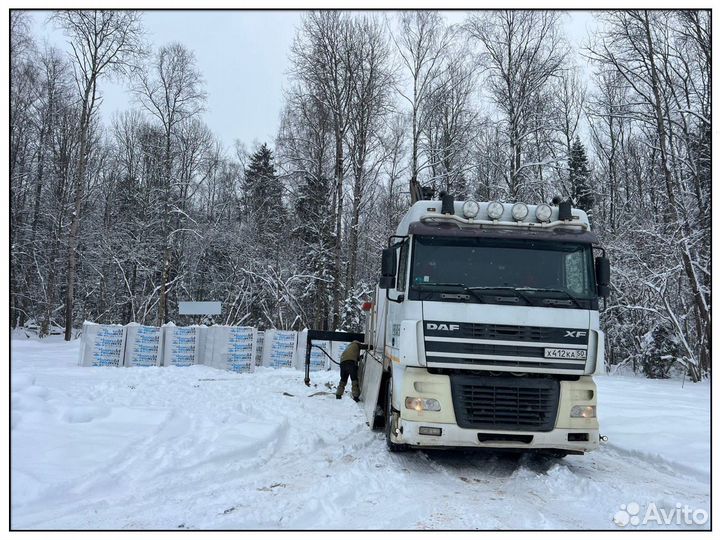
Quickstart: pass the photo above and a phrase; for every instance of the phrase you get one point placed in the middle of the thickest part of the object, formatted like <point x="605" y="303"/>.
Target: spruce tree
<point x="580" y="177"/>
<point x="314" y="231"/>
<point x="264" y="236"/>
<point x="263" y="196"/>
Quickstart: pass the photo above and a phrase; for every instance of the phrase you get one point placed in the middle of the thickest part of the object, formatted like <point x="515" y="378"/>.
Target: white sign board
<point x="199" y="308"/>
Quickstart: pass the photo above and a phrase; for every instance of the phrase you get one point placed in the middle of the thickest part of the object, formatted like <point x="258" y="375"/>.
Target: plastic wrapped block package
<point x="102" y="344"/>
<point x="318" y="360"/>
<point x="338" y="347"/>
<point x="184" y="345"/>
<point x="233" y="348"/>
<point x="143" y="345"/>
<point x="279" y="348"/>
<point x="300" y="349"/>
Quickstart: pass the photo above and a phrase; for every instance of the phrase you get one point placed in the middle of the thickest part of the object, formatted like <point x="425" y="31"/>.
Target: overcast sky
<point x="243" y="56"/>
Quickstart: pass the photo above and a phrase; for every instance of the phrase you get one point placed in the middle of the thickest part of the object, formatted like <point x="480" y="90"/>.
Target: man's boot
<point x="355" y="391"/>
<point x="340" y="390"/>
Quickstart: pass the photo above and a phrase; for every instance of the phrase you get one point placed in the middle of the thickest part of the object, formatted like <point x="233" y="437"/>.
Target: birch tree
<point x="522" y="51"/>
<point x="324" y="65"/>
<point x="370" y="105"/>
<point x="171" y="90"/>
<point x="421" y="41"/>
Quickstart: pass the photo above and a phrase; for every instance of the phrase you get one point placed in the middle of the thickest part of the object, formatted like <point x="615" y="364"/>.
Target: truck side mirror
<point x="389" y="264"/>
<point x="602" y="274"/>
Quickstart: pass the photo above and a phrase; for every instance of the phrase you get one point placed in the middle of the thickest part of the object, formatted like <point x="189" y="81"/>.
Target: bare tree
<point x="305" y="147"/>
<point x="394" y="169"/>
<point x="665" y="72"/>
<point x="324" y="63"/>
<point x="171" y="90"/>
<point x="102" y="41"/>
<point x="522" y="51"/>
<point x="25" y="130"/>
<point x="569" y="90"/>
<point x="608" y="125"/>
<point x="451" y="126"/>
<point x="422" y="42"/>
<point x="371" y="87"/>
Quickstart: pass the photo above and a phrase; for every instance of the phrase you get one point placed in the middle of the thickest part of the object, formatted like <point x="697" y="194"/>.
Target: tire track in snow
<point x="238" y="454"/>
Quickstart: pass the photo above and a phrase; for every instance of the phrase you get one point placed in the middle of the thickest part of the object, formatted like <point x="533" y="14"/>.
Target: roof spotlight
<point x="543" y="212"/>
<point x="470" y="209"/>
<point x="495" y="210"/>
<point x="519" y="211"/>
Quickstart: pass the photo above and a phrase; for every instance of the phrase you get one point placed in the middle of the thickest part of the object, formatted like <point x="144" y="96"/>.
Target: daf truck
<point x="484" y="331"/>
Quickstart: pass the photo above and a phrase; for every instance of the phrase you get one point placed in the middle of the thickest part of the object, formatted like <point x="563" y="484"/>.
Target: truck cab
<point x="484" y="330"/>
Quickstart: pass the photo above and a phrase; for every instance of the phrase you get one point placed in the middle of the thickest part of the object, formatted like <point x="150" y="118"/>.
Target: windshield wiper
<point x="435" y="286"/>
<point x="481" y="290"/>
<point x="574" y="299"/>
<point x="440" y="285"/>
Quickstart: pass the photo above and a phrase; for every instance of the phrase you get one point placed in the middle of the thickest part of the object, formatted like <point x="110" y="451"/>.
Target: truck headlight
<point x="422" y="404"/>
<point x="582" y="411"/>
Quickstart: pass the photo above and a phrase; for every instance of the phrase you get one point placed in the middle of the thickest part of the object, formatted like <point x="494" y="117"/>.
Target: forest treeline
<point x="116" y="221"/>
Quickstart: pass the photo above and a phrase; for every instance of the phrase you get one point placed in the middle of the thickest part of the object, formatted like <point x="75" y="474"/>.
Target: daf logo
<point x="575" y="333"/>
<point x="445" y="327"/>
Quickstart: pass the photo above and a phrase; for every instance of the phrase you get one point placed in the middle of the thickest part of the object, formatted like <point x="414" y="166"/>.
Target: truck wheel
<point x="390" y="421"/>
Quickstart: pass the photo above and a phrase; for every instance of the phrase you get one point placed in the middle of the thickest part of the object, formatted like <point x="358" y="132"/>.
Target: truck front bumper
<point x="568" y="433"/>
<point x="569" y="440"/>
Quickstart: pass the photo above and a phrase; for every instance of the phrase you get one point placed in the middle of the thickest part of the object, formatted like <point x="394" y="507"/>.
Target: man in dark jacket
<point x="349" y="368"/>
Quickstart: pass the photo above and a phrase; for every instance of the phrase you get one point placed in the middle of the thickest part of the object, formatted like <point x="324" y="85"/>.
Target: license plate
<point x="572" y="354"/>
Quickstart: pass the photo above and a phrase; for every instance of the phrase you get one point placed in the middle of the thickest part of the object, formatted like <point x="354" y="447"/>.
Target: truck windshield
<point x="525" y="269"/>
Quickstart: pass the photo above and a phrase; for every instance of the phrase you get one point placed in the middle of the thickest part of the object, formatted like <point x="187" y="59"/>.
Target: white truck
<point x="484" y="330"/>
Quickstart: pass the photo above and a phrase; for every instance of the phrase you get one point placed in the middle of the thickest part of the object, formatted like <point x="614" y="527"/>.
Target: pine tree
<point x="580" y="177"/>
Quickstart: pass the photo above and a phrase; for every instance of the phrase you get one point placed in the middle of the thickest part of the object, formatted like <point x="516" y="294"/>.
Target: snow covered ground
<point x="198" y="448"/>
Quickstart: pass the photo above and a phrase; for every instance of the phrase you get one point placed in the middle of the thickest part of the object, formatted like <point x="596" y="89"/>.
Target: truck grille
<point x="507" y="403"/>
<point x="505" y="332"/>
<point x="491" y="347"/>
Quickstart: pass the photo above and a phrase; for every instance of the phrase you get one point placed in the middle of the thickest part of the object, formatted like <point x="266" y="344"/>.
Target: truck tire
<point x="392" y="446"/>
